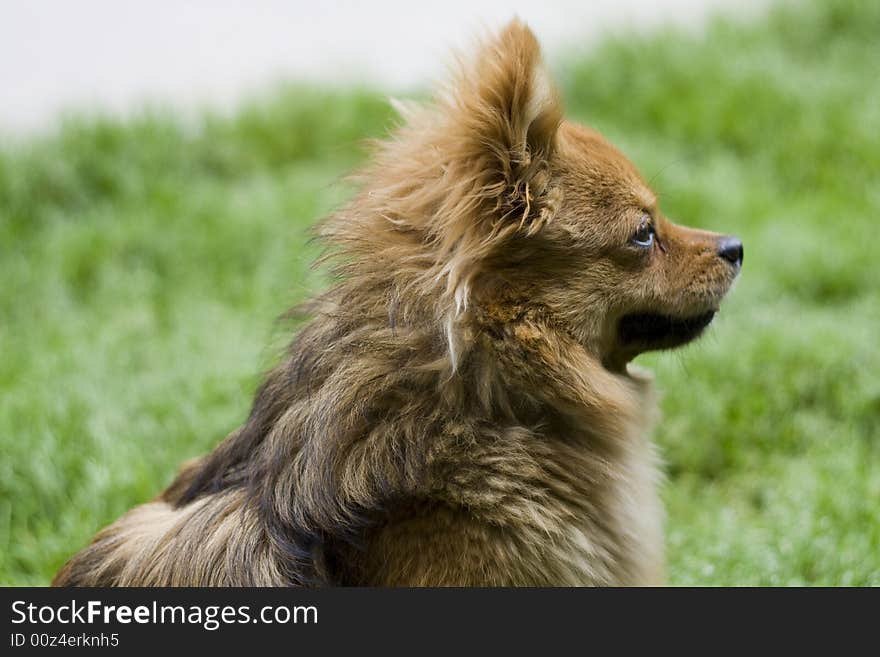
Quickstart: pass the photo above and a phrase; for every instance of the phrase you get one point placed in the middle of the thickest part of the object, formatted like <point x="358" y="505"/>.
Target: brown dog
<point x="459" y="410"/>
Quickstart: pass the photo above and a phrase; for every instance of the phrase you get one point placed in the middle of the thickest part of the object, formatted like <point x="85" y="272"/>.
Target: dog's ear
<point x="507" y="112"/>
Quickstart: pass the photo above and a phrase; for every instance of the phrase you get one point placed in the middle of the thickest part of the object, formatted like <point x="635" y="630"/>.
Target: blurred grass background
<point x="143" y="261"/>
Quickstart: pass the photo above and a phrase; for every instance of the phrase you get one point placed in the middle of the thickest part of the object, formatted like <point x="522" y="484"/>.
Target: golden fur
<point x="459" y="410"/>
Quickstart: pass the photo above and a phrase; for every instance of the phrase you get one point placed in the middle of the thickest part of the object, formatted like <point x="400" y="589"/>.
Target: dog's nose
<point x="731" y="249"/>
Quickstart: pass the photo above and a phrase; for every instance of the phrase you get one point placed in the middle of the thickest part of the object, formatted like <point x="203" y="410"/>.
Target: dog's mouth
<point x="647" y="331"/>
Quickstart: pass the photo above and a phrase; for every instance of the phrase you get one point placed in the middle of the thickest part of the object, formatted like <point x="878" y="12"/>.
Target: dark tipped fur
<point x="458" y="410"/>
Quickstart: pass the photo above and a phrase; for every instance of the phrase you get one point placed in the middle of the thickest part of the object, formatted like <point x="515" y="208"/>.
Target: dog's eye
<point x="644" y="236"/>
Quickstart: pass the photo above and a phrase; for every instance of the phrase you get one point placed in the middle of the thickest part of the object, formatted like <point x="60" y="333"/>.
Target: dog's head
<point x="579" y="231"/>
<point x="625" y="278"/>
<point x="514" y="207"/>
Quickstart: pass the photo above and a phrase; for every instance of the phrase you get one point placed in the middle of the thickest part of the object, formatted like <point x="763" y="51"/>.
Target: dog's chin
<point x="640" y="332"/>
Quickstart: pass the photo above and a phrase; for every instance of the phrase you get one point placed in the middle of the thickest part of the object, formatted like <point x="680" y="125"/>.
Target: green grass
<point x="142" y="264"/>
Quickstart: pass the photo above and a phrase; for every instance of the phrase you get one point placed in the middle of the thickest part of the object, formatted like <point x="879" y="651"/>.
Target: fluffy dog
<point x="459" y="410"/>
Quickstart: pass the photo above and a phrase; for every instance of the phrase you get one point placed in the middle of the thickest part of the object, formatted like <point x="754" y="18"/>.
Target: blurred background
<point x="112" y="55"/>
<point x="161" y="164"/>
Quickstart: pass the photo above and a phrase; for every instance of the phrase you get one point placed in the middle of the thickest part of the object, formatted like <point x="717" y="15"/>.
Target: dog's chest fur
<point x="519" y="506"/>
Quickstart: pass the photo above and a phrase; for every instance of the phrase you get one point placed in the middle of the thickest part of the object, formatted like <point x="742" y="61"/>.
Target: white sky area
<point x="114" y="55"/>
